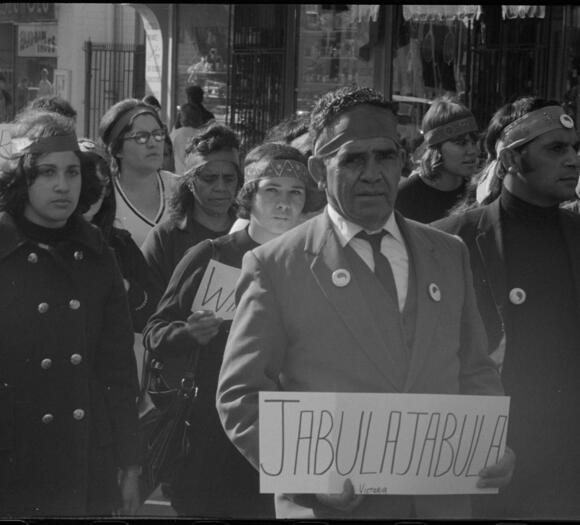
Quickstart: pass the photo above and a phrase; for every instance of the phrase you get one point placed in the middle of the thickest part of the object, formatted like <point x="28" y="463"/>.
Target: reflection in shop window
<point x="334" y="50"/>
<point x="202" y="54"/>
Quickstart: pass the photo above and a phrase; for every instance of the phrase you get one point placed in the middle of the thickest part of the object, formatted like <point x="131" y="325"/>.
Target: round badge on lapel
<point x="340" y="277"/>
<point x="434" y="292"/>
<point x="566" y="121"/>
<point x="517" y="296"/>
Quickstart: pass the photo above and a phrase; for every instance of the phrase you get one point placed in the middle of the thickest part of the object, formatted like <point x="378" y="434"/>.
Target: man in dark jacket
<point x="525" y="258"/>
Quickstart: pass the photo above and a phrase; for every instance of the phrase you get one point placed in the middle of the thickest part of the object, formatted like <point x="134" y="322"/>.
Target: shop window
<point x="203" y="54"/>
<point x="334" y="50"/>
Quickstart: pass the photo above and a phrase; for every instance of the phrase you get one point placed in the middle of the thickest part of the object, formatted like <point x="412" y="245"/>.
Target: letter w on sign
<point x="216" y="291"/>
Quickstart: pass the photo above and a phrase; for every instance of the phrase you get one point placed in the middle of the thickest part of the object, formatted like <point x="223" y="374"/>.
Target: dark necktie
<point x="383" y="269"/>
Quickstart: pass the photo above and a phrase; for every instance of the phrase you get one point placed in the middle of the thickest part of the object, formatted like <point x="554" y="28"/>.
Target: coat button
<point x="78" y="414"/>
<point x="43" y="308"/>
<point x="76" y="359"/>
<point x="46" y="363"/>
<point x="32" y="258"/>
<point x="74" y="304"/>
<point x="47" y="418"/>
<point x="79" y="255"/>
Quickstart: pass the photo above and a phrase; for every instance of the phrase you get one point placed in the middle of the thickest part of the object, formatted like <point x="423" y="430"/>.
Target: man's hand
<point x="203" y="325"/>
<point x="345" y="501"/>
<point x="500" y="474"/>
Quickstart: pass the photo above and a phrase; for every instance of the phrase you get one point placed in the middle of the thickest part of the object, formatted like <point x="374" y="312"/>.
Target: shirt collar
<point x="346" y="229"/>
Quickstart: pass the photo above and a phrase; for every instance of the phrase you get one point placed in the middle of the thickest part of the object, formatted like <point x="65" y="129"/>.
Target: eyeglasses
<point x="142" y="137"/>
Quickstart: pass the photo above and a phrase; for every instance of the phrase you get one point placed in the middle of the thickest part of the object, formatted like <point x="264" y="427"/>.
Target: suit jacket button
<point x="79" y="255"/>
<point x="76" y="359"/>
<point x="43" y="308"/>
<point x="47" y="418"/>
<point x="74" y="304"/>
<point x="32" y="258"/>
<point x="78" y="414"/>
<point x="46" y="363"/>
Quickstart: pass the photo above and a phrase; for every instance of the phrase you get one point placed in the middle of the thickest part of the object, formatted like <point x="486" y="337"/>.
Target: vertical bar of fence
<point x="88" y="78"/>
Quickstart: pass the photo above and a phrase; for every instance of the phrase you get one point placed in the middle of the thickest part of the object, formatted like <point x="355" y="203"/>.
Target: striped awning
<point x="523" y="11"/>
<point x="433" y="13"/>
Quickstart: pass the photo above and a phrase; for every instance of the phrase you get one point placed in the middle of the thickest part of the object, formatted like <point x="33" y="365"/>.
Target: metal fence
<point x="113" y="72"/>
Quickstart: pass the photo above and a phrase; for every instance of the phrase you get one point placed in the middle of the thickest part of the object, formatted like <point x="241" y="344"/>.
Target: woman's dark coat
<point x="68" y="378"/>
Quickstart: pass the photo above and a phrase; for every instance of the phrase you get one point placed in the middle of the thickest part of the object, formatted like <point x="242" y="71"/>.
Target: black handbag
<point x="164" y="429"/>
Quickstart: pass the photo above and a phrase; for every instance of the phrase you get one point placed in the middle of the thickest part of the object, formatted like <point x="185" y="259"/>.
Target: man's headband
<point x="196" y="160"/>
<point x="364" y="121"/>
<point x="451" y="130"/>
<point x="22" y="145"/>
<point x="532" y="125"/>
<point x="277" y="168"/>
<point x="126" y="118"/>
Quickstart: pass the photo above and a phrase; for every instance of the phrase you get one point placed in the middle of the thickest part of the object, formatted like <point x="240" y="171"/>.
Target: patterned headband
<point x="532" y="125"/>
<point x="449" y="131"/>
<point x="277" y="168"/>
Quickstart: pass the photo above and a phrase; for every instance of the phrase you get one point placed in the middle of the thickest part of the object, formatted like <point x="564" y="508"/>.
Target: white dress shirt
<point x="392" y="247"/>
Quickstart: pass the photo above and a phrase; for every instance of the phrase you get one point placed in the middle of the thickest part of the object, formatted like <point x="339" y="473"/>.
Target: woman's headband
<point x="197" y="160"/>
<point x="277" y="168"/>
<point x="451" y="130"/>
<point x="125" y="119"/>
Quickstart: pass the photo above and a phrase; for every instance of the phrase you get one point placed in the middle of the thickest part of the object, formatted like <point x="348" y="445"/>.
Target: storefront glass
<point x="333" y="50"/>
<point x="203" y="54"/>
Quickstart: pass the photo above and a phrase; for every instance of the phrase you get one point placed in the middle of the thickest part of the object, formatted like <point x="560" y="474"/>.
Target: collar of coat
<point x="82" y="233"/>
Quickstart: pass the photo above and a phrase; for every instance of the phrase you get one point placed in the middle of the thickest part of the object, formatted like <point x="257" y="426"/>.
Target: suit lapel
<point x="424" y="262"/>
<point x="490" y="246"/>
<point x="348" y="301"/>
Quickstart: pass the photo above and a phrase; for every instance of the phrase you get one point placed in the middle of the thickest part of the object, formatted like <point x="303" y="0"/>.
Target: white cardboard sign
<point x="216" y="291"/>
<point x="384" y="443"/>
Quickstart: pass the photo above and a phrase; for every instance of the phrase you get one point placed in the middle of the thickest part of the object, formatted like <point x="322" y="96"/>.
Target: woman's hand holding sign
<point x="203" y="325"/>
<point x="345" y="501"/>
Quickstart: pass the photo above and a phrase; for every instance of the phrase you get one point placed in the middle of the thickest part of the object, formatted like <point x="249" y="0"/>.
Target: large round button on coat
<point x="47" y="418"/>
<point x="46" y="363"/>
<point x="74" y="304"/>
<point x="76" y="359"/>
<point x="32" y="258"/>
<point x="78" y="414"/>
<point x="78" y="255"/>
<point x="43" y="308"/>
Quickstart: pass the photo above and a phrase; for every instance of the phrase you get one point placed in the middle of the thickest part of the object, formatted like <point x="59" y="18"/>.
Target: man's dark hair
<point x="288" y="129"/>
<point x="339" y="100"/>
<point x="216" y="137"/>
<point x="152" y="101"/>
<point x="194" y="94"/>
<point x="17" y="174"/>
<point x="53" y="103"/>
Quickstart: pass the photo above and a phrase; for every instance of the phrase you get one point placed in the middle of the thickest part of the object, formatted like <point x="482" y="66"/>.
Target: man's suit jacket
<point x="295" y="330"/>
<point x="481" y="231"/>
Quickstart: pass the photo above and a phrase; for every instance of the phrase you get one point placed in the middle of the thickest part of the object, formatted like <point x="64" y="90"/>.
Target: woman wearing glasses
<point x="135" y="138"/>
<point x="203" y="205"/>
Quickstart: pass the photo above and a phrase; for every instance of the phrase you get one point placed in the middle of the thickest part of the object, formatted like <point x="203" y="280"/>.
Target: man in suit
<point x="525" y="258"/>
<point x="317" y="310"/>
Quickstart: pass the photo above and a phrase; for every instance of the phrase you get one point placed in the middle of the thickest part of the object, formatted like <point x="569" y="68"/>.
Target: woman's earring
<point x="321" y="185"/>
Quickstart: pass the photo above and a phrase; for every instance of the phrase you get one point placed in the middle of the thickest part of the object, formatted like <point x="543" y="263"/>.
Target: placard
<point x="384" y="443"/>
<point x="216" y="291"/>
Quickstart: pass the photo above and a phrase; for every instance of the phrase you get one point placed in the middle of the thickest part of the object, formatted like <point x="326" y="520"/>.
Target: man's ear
<point x="511" y="161"/>
<point x="317" y="170"/>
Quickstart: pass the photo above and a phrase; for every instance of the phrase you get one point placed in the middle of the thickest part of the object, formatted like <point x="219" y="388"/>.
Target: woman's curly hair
<point x="18" y="173"/>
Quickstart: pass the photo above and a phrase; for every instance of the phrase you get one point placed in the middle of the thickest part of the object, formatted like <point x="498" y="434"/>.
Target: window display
<point x="334" y="50"/>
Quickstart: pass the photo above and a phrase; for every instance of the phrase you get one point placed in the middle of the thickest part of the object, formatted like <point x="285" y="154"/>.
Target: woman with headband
<point x="526" y="266"/>
<point x="68" y="378"/>
<point x="447" y="162"/>
<point x="135" y="138"/>
<point x="203" y="204"/>
<point x="216" y="480"/>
